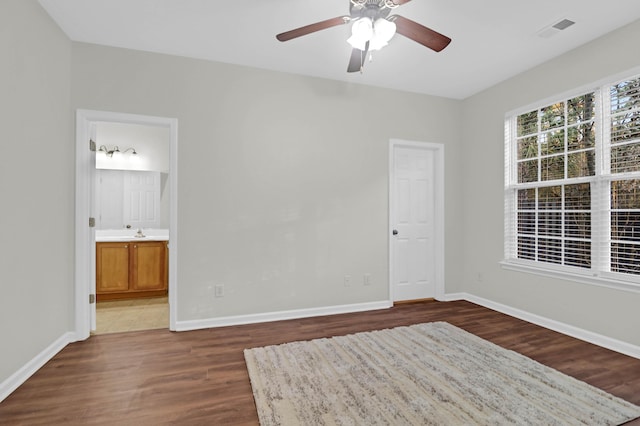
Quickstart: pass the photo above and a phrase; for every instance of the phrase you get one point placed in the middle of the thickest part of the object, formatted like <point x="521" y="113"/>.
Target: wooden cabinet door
<point x="149" y="265"/>
<point x="112" y="267"/>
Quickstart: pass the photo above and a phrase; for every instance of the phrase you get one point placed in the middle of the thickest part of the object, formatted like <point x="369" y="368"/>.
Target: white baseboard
<point x="569" y="330"/>
<point x="27" y="370"/>
<point x="452" y="297"/>
<point x="281" y="315"/>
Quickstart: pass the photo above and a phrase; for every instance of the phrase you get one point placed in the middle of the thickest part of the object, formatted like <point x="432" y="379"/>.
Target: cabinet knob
<point x="126" y="245"/>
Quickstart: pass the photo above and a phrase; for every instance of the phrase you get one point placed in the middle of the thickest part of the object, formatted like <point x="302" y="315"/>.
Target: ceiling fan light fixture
<point x="383" y="31"/>
<point x="377" y="33"/>
<point x="357" y="43"/>
<point x="361" y="33"/>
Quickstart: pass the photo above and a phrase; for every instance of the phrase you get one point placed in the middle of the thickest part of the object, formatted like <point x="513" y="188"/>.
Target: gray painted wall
<point x="36" y="184"/>
<point x="282" y="179"/>
<point x="613" y="313"/>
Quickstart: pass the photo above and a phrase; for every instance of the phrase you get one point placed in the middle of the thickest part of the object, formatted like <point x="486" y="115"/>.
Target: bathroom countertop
<point x="120" y="235"/>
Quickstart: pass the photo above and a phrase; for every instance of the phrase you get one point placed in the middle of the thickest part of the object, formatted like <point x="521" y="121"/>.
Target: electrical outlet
<point x="347" y="280"/>
<point x="219" y="290"/>
<point x="367" y="279"/>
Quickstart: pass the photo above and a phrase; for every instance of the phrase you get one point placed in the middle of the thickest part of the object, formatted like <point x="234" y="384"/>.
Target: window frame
<point x="598" y="273"/>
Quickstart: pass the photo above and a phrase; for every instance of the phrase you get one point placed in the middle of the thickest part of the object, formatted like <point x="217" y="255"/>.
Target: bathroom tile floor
<point x="115" y="316"/>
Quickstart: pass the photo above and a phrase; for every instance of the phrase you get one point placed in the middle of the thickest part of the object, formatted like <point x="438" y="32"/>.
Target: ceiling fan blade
<point x="356" y="62"/>
<point x="312" y="28"/>
<point x="400" y="2"/>
<point x="420" y="34"/>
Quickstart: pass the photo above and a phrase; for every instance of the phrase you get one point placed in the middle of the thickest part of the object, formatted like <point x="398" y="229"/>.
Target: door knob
<point x="395" y="232"/>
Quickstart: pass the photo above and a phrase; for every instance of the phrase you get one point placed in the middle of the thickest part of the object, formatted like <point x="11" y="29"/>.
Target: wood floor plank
<point x="199" y="377"/>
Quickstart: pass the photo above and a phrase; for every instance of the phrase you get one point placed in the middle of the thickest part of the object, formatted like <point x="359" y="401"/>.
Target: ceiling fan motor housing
<point x="372" y="9"/>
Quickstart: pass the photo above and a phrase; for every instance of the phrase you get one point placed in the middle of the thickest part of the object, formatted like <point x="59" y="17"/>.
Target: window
<point x="572" y="184"/>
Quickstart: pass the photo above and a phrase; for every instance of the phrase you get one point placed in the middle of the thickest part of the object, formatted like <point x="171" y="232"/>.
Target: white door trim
<point x="438" y="150"/>
<point x="84" y="276"/>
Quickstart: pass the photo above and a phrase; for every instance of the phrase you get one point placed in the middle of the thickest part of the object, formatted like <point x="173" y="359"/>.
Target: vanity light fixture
<point x="133" y="151"/>
<point x="109" y="152"/>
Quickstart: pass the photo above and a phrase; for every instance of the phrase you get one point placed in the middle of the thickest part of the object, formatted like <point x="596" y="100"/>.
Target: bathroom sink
<point x="117" y="235"/>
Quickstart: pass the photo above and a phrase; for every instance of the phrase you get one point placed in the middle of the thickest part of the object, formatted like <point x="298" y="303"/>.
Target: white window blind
<point x="624" y="150"/>
<point x="572" y="183"/>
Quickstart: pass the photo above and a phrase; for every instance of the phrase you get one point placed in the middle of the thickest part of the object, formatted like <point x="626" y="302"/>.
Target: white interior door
<point x="142" y="199"/>
<point x="414" y="269"/>
<point x="110" y="198"/>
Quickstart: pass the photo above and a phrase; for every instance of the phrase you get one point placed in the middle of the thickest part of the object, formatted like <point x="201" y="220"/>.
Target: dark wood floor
<point x="199" y="377"/>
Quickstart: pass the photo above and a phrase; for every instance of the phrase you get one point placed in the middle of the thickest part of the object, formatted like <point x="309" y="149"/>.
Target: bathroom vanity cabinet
<point x="131" y="269"/>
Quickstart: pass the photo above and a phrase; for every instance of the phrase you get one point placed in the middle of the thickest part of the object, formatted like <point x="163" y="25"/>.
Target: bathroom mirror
<point x="132" y="164"/>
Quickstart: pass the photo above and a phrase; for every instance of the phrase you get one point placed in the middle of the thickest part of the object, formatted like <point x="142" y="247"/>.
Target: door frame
<point x="85" y="189"/>
<point x="439" y="214"/>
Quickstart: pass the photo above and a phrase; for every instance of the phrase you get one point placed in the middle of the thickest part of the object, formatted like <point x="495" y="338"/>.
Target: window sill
<point x="571" y="276"/>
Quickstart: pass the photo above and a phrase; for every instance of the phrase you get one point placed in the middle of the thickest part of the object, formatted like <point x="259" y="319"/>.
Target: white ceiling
<point x="492" y="39"/>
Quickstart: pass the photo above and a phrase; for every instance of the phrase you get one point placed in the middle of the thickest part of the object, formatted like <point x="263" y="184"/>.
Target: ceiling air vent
<point x="552" y="30"/>
<point x="563" y="25"/>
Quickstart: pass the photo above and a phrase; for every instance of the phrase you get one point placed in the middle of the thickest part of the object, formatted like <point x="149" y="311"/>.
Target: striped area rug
<point x="425" y="374"/>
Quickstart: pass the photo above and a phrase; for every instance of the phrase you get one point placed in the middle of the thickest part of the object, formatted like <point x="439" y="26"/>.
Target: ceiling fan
<point x="373" y="28"/>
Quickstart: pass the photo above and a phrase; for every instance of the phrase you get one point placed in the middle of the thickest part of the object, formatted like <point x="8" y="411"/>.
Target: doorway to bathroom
<point x="126" y="227"/>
